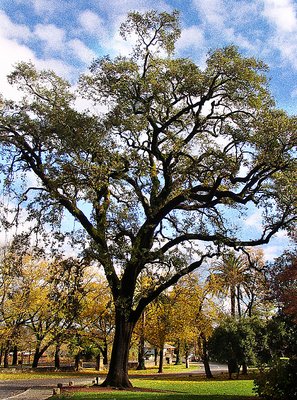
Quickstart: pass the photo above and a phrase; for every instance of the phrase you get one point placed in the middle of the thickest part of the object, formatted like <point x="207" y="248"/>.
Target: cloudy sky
<point x="66" y="35"/>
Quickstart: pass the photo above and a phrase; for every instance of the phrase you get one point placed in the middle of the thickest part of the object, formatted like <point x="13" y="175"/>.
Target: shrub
<point x="279" y="382"/>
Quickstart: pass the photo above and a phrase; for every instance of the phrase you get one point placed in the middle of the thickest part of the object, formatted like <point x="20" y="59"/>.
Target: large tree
<point x="173" y="162"/>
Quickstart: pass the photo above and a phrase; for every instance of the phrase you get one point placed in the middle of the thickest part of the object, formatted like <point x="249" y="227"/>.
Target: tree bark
<point x="98" y="359"/>
<point x="104" y="352"/>
<point x="178" y="360"/>
<point x="15" y="356"/>
<point x="141" y="346"/>
<point x="156" y="357"/>
<point x="118" y="369"/>
<point x="161" y="360"/>
<point x="36" y="357"/>
<point x="77" y="363"/>
<point x="244" y="368"/>
<point x="205" y="358"/>
<point x="57" y="356"/>
<point x="5" y="361"/>
<point x="233" y="298"/>
<point x="187" y="358"/>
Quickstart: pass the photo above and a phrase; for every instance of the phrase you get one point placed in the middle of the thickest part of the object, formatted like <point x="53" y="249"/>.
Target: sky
<point x="66" y="35"/>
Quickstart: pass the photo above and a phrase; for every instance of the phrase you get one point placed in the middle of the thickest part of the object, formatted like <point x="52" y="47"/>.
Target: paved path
<point x="35" y="389"/>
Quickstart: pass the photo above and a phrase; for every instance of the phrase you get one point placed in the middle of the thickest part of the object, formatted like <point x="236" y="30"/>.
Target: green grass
<point x="172" y="368"/>
<point x="25" y="374"/>
<point x="5" y="376"/>
<point x="190" y="389"/>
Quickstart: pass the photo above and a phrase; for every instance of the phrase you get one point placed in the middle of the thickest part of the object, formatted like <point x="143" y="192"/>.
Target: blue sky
<point x="66" y="35"/>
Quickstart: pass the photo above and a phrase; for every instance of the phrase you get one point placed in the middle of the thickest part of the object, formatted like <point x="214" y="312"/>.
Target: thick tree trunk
<point x="118" y="368"/>
<point x="161" y="360"/>
<point x="37" y="355"/>
<point x="36" y="358"/>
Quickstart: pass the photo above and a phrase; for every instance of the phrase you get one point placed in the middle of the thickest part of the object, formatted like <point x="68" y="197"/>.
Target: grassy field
<point x="175" y="389"/>
<point x="40" y="374"/>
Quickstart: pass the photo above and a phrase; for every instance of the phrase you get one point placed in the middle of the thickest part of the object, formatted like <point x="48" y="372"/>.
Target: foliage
<point x="234" y="340"/>
<point x="279" y="382"/>
<point x="283" y="280"/>
<point x="282" y="336"/>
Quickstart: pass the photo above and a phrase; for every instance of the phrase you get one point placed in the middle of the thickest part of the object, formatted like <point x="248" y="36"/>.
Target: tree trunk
<point x="205" y="358"/>
<point x="141" y="346"/>
<point x="5" y="361"/>
<point x="118" y="369"/>
<point x="98" y="359"/>
<point x="15" y="356"/>
<point x="187" y="358"/>
<point x="57" y="356"/>
<point x="77" y="362"/>
<point x="233" y="298"/>
<point x="238" y="301"/>
<point x="178" y="360"/>
<point x="37" y="354"/>
<point x="244" y="368"/>
<point x="161" y="359"/>
<point x="1" y="354"/>
<point x="156" y="357"/>
<point x="104" y="352"/>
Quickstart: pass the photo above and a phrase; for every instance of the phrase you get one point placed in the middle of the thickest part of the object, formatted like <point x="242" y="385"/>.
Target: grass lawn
<point x="40" y="374"/>
<point x="178" y="389"/>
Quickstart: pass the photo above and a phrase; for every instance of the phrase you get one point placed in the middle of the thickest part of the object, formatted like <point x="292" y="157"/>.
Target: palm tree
<point x="230" y="272"/>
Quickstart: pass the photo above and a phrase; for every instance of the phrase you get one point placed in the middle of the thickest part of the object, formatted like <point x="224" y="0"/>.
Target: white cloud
<point x="44" y="6"/>
<point x="91" y="22"/>
<point x="120" y="7"/>
<point x="13" y="31"/>
<point x="254" y="220"/>
<point x="51" y="35"/>
<point x="282" y="17"/>
<point x="14" y="53"/>
<point x="212" y="11"/>
<point x="81" y="51"/>
<point x="191" y="37"/>
<point x="282" y="14"/>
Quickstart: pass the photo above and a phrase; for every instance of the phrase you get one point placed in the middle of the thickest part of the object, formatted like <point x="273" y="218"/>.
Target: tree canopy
<point x="176" y="158"/>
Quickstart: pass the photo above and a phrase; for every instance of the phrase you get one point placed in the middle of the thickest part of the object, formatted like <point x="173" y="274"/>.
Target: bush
<point x="279" y="382"/>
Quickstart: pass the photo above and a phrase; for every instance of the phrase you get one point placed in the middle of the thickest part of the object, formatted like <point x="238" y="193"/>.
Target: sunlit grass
<point x="176" y="390"/>
<point x="39" y="374"/>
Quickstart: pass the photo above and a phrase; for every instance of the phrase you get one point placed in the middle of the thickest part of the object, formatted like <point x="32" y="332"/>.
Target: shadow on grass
<point x="152" y="396"/>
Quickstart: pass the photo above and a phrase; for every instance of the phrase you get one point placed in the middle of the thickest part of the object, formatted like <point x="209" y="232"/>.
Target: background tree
<point x="96" y="319"/>
<point x="230" y="273"/>
<point x="283" y="280"/>
<point x="233" y="342"/>
<point x="178" y="150"/>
